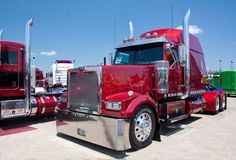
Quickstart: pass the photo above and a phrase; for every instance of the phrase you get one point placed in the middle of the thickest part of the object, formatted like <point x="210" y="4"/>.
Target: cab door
<point x="175" y="71"/>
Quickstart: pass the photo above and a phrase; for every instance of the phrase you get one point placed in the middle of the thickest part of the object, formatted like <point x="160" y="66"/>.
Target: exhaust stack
<point x="1" y="34"/>
<point x="29" y="24"/>
<point x="131" y="30"/>
<point x="187" y="53"/>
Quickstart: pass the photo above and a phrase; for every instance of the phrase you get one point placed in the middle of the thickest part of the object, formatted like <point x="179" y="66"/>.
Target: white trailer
<point x="59" y="72"/>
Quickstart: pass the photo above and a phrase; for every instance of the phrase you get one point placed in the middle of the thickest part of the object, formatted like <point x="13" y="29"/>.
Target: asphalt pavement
<point x="203" y="136"/>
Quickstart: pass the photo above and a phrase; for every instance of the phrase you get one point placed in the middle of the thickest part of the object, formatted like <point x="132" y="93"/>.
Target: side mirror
<point x="182" y="58"/>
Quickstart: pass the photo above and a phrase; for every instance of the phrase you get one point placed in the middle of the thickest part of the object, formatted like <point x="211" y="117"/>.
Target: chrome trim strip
<point x="173" y="94"/>
<point x="197" y="92"/>
<point x="108" y="132"/>
<point x="142" y="42"/>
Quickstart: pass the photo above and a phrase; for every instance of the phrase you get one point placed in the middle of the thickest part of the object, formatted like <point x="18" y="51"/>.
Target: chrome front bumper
<point x="108" y="132"/>
<point x="12" y="108"/>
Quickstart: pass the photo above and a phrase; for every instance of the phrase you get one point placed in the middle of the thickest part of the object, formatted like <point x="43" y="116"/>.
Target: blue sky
<point x="83" y="30"/>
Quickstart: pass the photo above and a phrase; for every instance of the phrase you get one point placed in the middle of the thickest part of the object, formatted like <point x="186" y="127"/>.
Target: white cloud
<point x="49" y="53"/>
<point x="193" y="29"/>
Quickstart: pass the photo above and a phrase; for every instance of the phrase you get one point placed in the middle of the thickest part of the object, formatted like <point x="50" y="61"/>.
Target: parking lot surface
<point x="209" y="137"/>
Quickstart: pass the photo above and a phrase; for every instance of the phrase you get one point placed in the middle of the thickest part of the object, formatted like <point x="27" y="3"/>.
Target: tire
<point x="223" y="102"/>
<point x="217" y="105"/>
<point x="225" y="107"/>
<point x="142" y="128"/>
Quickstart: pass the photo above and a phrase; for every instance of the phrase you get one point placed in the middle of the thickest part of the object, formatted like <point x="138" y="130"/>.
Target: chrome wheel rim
<point x="143" y="127"/>
<point x="217" y="103"/>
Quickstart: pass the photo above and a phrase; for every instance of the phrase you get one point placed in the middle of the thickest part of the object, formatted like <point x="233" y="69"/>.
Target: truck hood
<point x="124" y="78"/>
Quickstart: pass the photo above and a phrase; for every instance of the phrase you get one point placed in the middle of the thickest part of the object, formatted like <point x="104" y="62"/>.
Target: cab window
<point x="172" y="56"/>
<point x="7" y="57"/>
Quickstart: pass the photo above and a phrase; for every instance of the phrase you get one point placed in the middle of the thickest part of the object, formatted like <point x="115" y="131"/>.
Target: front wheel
<point x="142" y="128"/>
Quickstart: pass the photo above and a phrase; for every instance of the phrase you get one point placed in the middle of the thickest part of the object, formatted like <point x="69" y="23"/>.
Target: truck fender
<point x="210" y="98"/>
<point x="138" y="102"/>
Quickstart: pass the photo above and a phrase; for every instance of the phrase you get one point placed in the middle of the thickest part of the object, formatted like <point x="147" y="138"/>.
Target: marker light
<point x="155" y="34"/>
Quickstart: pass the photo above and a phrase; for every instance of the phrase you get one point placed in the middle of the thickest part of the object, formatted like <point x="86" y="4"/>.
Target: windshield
<point x="144" y="54"/>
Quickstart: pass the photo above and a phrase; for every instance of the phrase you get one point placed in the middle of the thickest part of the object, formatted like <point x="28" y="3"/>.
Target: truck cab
<point x="12" y="69"/>
<point x="156" y="77"/>
<point x="16" y="97"/>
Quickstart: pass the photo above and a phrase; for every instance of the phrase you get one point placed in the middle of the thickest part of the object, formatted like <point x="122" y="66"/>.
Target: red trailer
<point x="160" y="76"/>
<point x="16" y="98"/>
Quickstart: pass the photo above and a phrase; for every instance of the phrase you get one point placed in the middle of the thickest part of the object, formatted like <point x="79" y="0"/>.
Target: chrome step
<point x="175" y="119"/>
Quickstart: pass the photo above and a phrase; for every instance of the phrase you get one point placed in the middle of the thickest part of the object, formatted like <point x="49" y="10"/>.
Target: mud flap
<point x="157" y="134"/>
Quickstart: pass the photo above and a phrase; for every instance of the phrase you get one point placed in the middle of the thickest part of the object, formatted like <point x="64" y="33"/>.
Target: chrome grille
<point x="84" y="93"/>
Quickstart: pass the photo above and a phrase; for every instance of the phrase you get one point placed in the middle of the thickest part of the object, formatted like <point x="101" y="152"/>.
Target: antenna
<point x="172" y="20"/>
<point x="114" y="33"/>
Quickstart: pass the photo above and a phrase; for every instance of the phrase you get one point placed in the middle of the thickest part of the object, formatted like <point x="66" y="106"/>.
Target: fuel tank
<point x="46" y="104"/>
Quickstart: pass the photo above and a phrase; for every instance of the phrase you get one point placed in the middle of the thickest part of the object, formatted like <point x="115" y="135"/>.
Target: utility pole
<point x="231" y="65"/>
<point x="220" y="65"/>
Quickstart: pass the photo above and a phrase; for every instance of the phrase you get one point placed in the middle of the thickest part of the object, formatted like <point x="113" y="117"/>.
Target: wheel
<point x="142" y="128"/>
<point x="217" y="105"/>
<point x="223" y="103"/>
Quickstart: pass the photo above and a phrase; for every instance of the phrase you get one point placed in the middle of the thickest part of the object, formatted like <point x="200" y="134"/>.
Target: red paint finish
<point x="117" y="80"/>
<point x="197" y="61"/>
<point x="4" y="132"/>
<point x="46" y="104"/>
<point x="15" y="88"/>
<point x="39" y="74"/>
<point x="176" y="105"/>
<point x="210" y="98"/>
<point x="174" y="36"/>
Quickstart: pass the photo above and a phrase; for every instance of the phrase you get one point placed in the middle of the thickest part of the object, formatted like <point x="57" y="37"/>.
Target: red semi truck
<point x="157" y="77"/>
<point x="16" y="98"/>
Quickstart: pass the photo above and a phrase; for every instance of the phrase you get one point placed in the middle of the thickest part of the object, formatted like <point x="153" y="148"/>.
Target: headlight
<point x="113" y="105"/>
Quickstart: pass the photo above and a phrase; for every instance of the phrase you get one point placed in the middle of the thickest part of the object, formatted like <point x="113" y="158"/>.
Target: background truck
<point x="157" y="77"/>
<point x="58" y="73"/>
<point x="226" y="80"/>
<point x="16" y="98"/>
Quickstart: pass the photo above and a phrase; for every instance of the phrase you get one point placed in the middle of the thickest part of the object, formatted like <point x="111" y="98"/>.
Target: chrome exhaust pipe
<point x="187" y="53"/>
<point x="29" y="24"/>
<point x="131" y="30"/>
<point x="1" y="34"/>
